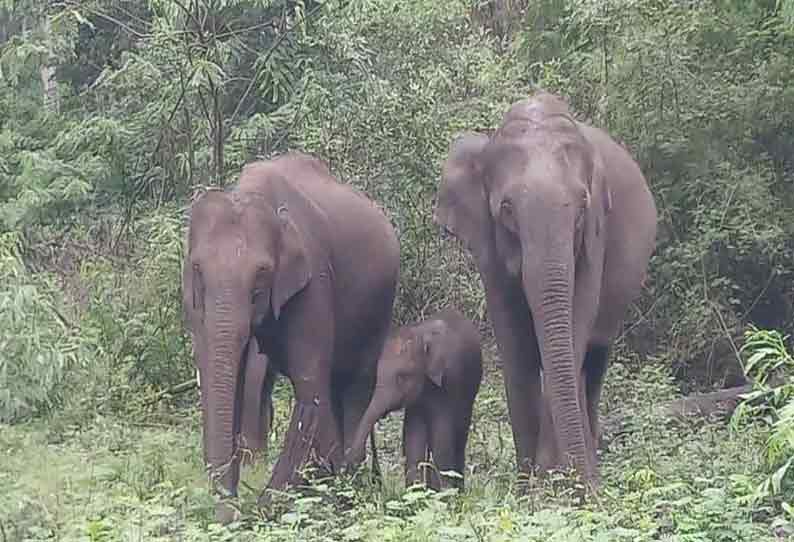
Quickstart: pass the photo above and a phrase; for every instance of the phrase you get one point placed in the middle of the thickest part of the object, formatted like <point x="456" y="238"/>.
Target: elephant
<point x="432" y="369"/>
<point x="561" y="225"/>
<point x="289" y="272"/>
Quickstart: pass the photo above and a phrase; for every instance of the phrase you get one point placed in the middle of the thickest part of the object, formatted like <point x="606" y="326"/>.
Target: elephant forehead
<point x="228" y="213"/>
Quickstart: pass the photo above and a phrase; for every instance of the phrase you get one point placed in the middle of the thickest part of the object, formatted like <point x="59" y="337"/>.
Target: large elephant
<point x="561" y="224"/>
<point x="432" y="369"/>
<point x="303" y="269"/>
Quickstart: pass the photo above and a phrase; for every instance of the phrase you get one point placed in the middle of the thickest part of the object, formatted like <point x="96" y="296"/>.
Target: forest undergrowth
<point x="112" y="115"/>
<point x="141" y="478"/>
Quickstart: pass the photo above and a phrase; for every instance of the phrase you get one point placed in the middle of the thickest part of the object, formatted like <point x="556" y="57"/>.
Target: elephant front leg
<point x="442" y="446"/>
<point x="595" y="369"/>
<point x="414" y="445"/>
<point x="518" y="347"/>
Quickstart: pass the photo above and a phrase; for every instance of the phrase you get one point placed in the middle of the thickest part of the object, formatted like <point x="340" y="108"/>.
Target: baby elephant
<point x="432" y="369"/>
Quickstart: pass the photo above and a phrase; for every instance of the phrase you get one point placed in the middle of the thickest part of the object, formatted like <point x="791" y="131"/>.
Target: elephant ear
<point x="462" y="207"/>
<point x="597" y="207"/>
<point x="206" y="209"/>
<point x="501" y="161"/>
<point x="189" y="300"/>
<point x="433" y="352"/>
<point x="293" y="271"/>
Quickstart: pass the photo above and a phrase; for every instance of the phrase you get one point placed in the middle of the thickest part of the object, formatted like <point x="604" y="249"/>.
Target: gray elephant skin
<point x="290" y="272"/>
<point x="433" y="370"/>
<point x="561" y="224"/>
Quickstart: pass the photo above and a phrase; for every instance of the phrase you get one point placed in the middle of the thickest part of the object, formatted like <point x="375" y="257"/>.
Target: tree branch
<point x="267" y="57"/>
<point x="139" y="189"/>
<point x="173" y="390"/>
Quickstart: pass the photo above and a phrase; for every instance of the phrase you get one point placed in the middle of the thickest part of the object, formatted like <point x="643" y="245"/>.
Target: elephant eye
<point x="263" y="272"/>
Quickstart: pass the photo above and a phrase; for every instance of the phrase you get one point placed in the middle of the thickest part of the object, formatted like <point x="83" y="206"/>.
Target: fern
<point x="772" y="404"/>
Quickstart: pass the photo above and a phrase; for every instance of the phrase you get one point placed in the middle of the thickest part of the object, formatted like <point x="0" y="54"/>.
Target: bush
<point x="133" y="320"/>
<point x="771" y="404"/>
<point x="38" y="347"/>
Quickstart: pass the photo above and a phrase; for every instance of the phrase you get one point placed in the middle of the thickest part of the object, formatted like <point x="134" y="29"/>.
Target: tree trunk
<point x="48" y="83"/>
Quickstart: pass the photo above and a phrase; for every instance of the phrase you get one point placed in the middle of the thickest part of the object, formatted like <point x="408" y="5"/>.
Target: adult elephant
<point x="290" y="272"/>
<point x="561" y="223"/>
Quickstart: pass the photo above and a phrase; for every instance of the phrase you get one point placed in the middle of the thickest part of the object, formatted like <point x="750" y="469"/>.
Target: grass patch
<point x="118" y="479"/>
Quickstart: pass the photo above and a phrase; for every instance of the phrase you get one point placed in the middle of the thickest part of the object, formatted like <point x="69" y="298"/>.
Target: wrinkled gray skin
<point x="561" y="223"/>
<point x="432" y="370"/>
<point x="292" y="273"/>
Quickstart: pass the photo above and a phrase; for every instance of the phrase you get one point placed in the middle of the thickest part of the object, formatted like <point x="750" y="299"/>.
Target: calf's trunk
<point x="375" y="411"/>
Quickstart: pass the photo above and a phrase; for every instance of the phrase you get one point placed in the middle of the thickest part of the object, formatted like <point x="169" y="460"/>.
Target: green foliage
<point x="690" y="90"/>
<point x="404" y="79"/>
<point x="117" y="481"/>
<point x="154" y="99"/>
<point x="37" y="348"/>
<point x="133" y="320"/>
<point x="771" y="404"/>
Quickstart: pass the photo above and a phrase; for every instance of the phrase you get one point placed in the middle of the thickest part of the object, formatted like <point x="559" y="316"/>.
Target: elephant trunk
<point x="226" y="341"/>
<point x="375" y="411"/>
<point x="548" y="279"/>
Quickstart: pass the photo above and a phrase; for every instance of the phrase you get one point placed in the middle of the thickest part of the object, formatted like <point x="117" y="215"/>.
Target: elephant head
<point x="246" y="258"/>
<point x="530" y="200"/>
<point x="411" y="360"/>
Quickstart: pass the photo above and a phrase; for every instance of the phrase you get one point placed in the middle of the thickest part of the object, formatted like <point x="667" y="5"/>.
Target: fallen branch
<point x="721" y="403"/>
<point x="174" y="390"/>
<point x="705" y="404"/>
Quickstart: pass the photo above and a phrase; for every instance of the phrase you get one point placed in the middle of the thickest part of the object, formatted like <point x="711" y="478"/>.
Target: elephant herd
<point x="291" y="272"/>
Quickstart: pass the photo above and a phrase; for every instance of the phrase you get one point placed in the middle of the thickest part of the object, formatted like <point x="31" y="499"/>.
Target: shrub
<point x="38" y="347"/>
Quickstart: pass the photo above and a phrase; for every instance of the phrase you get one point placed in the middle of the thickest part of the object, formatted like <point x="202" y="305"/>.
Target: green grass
<point x="142" y="480"/>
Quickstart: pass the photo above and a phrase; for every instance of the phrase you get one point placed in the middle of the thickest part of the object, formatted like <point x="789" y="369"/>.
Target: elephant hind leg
<point x="355" y="395"/>
<point x="461" y="441"/>
<point x="358" y="384"/>
<point x="313" y="434"/>
<point x="595" y="368"/>
<point x="339" y="388"/>
<point x="354" y="392"/>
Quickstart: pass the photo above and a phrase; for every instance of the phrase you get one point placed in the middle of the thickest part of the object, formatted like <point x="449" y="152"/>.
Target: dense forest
<point x="114" y="113"/>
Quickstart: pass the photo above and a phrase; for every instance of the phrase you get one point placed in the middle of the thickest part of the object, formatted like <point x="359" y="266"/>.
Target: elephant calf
<point x="432" y="369"/>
